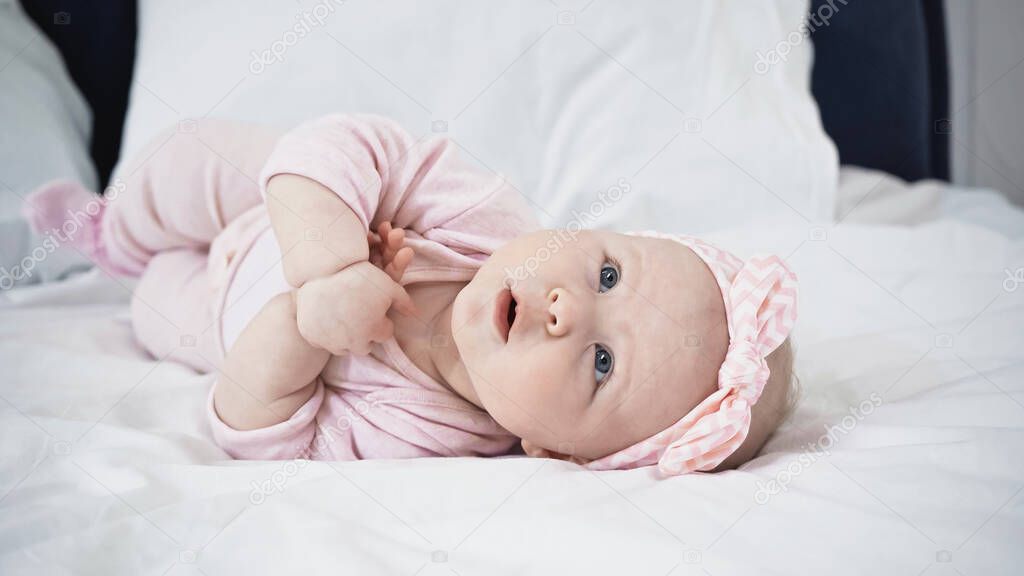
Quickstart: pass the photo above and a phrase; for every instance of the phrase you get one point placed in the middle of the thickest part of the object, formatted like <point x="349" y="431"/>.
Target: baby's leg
<point x="171" y="311"/>
<point x="179" y="192"/>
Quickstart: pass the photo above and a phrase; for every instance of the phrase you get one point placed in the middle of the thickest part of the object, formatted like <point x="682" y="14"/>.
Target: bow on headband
<point x="760" y="305"/>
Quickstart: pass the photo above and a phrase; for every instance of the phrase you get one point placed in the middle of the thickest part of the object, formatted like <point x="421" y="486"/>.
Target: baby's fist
<point x="346" y="312"/>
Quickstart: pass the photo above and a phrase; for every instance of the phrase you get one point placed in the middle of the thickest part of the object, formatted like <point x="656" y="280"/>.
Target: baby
<point x="362" y="294"/>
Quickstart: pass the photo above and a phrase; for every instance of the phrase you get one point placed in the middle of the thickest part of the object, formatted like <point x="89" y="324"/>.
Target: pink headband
<point x="760" y="307"/>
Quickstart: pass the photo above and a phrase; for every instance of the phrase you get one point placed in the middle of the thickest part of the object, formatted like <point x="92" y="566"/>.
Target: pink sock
<point x="73" y="215"/>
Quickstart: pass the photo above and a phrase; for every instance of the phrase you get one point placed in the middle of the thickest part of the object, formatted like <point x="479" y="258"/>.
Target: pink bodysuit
<point x="190" y="219"/>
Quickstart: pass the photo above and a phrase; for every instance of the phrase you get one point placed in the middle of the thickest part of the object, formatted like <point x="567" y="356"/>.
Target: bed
<point x="901" y="458"/>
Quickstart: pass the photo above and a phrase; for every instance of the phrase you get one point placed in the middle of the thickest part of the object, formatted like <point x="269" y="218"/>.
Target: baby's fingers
<point x="396" y="268"/>
<point x="396" y="239"/>
<point x="383" y="229"/>
<point x="392" y="243"/>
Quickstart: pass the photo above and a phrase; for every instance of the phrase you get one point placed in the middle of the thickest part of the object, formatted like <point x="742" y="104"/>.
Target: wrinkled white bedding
<point x="910" y="347"/>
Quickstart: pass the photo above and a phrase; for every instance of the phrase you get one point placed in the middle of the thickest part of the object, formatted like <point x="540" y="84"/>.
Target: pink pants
<point x="180" y="192"/>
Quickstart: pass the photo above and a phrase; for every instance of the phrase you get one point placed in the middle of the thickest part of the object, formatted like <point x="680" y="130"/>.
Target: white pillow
<point x="625" y="115"/>
<point x="45" y="135"/>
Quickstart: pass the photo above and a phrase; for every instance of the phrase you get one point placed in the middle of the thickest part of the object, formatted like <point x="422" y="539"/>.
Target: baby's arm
<point x="270" y="371"/>
<point x="328" y="181"/>
<point x="322" y="230"/>
<point x="317" y="232"/>
<point x="313" y="265"/>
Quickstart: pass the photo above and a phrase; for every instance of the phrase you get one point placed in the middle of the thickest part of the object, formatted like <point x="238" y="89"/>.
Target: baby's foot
<point x="65" y="206"/>
<point x="71" y="214"/>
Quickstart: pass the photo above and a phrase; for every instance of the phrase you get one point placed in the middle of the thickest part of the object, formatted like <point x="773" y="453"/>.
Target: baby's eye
<point x="609" y="277"/>
<point x="603" y="363"/>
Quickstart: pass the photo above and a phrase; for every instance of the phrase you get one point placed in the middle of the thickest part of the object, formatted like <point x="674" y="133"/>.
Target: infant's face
<point x="614" y="338"/>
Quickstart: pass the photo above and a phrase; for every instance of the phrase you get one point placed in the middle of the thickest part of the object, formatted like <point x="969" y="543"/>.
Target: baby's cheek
<point x="533" y="379"/>
<point x="521" y="402"/>
<point x="537" y="384"/>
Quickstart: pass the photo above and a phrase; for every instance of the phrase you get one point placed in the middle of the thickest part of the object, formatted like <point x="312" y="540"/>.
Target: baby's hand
<point x="346" y="312"/>
<point x="388" y="250"/>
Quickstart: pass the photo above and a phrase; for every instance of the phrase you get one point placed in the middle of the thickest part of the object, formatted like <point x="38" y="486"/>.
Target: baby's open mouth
<point x="505" y="313"/>
<point x="511" y="313"/>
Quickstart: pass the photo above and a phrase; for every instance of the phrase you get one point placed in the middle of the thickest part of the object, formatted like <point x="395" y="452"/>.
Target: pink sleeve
<point x="286" y="440"/>
<point x="384" y="173"/>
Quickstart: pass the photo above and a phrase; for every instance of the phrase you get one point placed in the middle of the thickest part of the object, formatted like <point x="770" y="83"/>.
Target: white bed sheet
<point x="106" y="465"/>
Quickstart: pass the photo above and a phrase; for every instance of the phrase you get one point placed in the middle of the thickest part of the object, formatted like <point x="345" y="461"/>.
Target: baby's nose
<point x="561" y="312"/>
